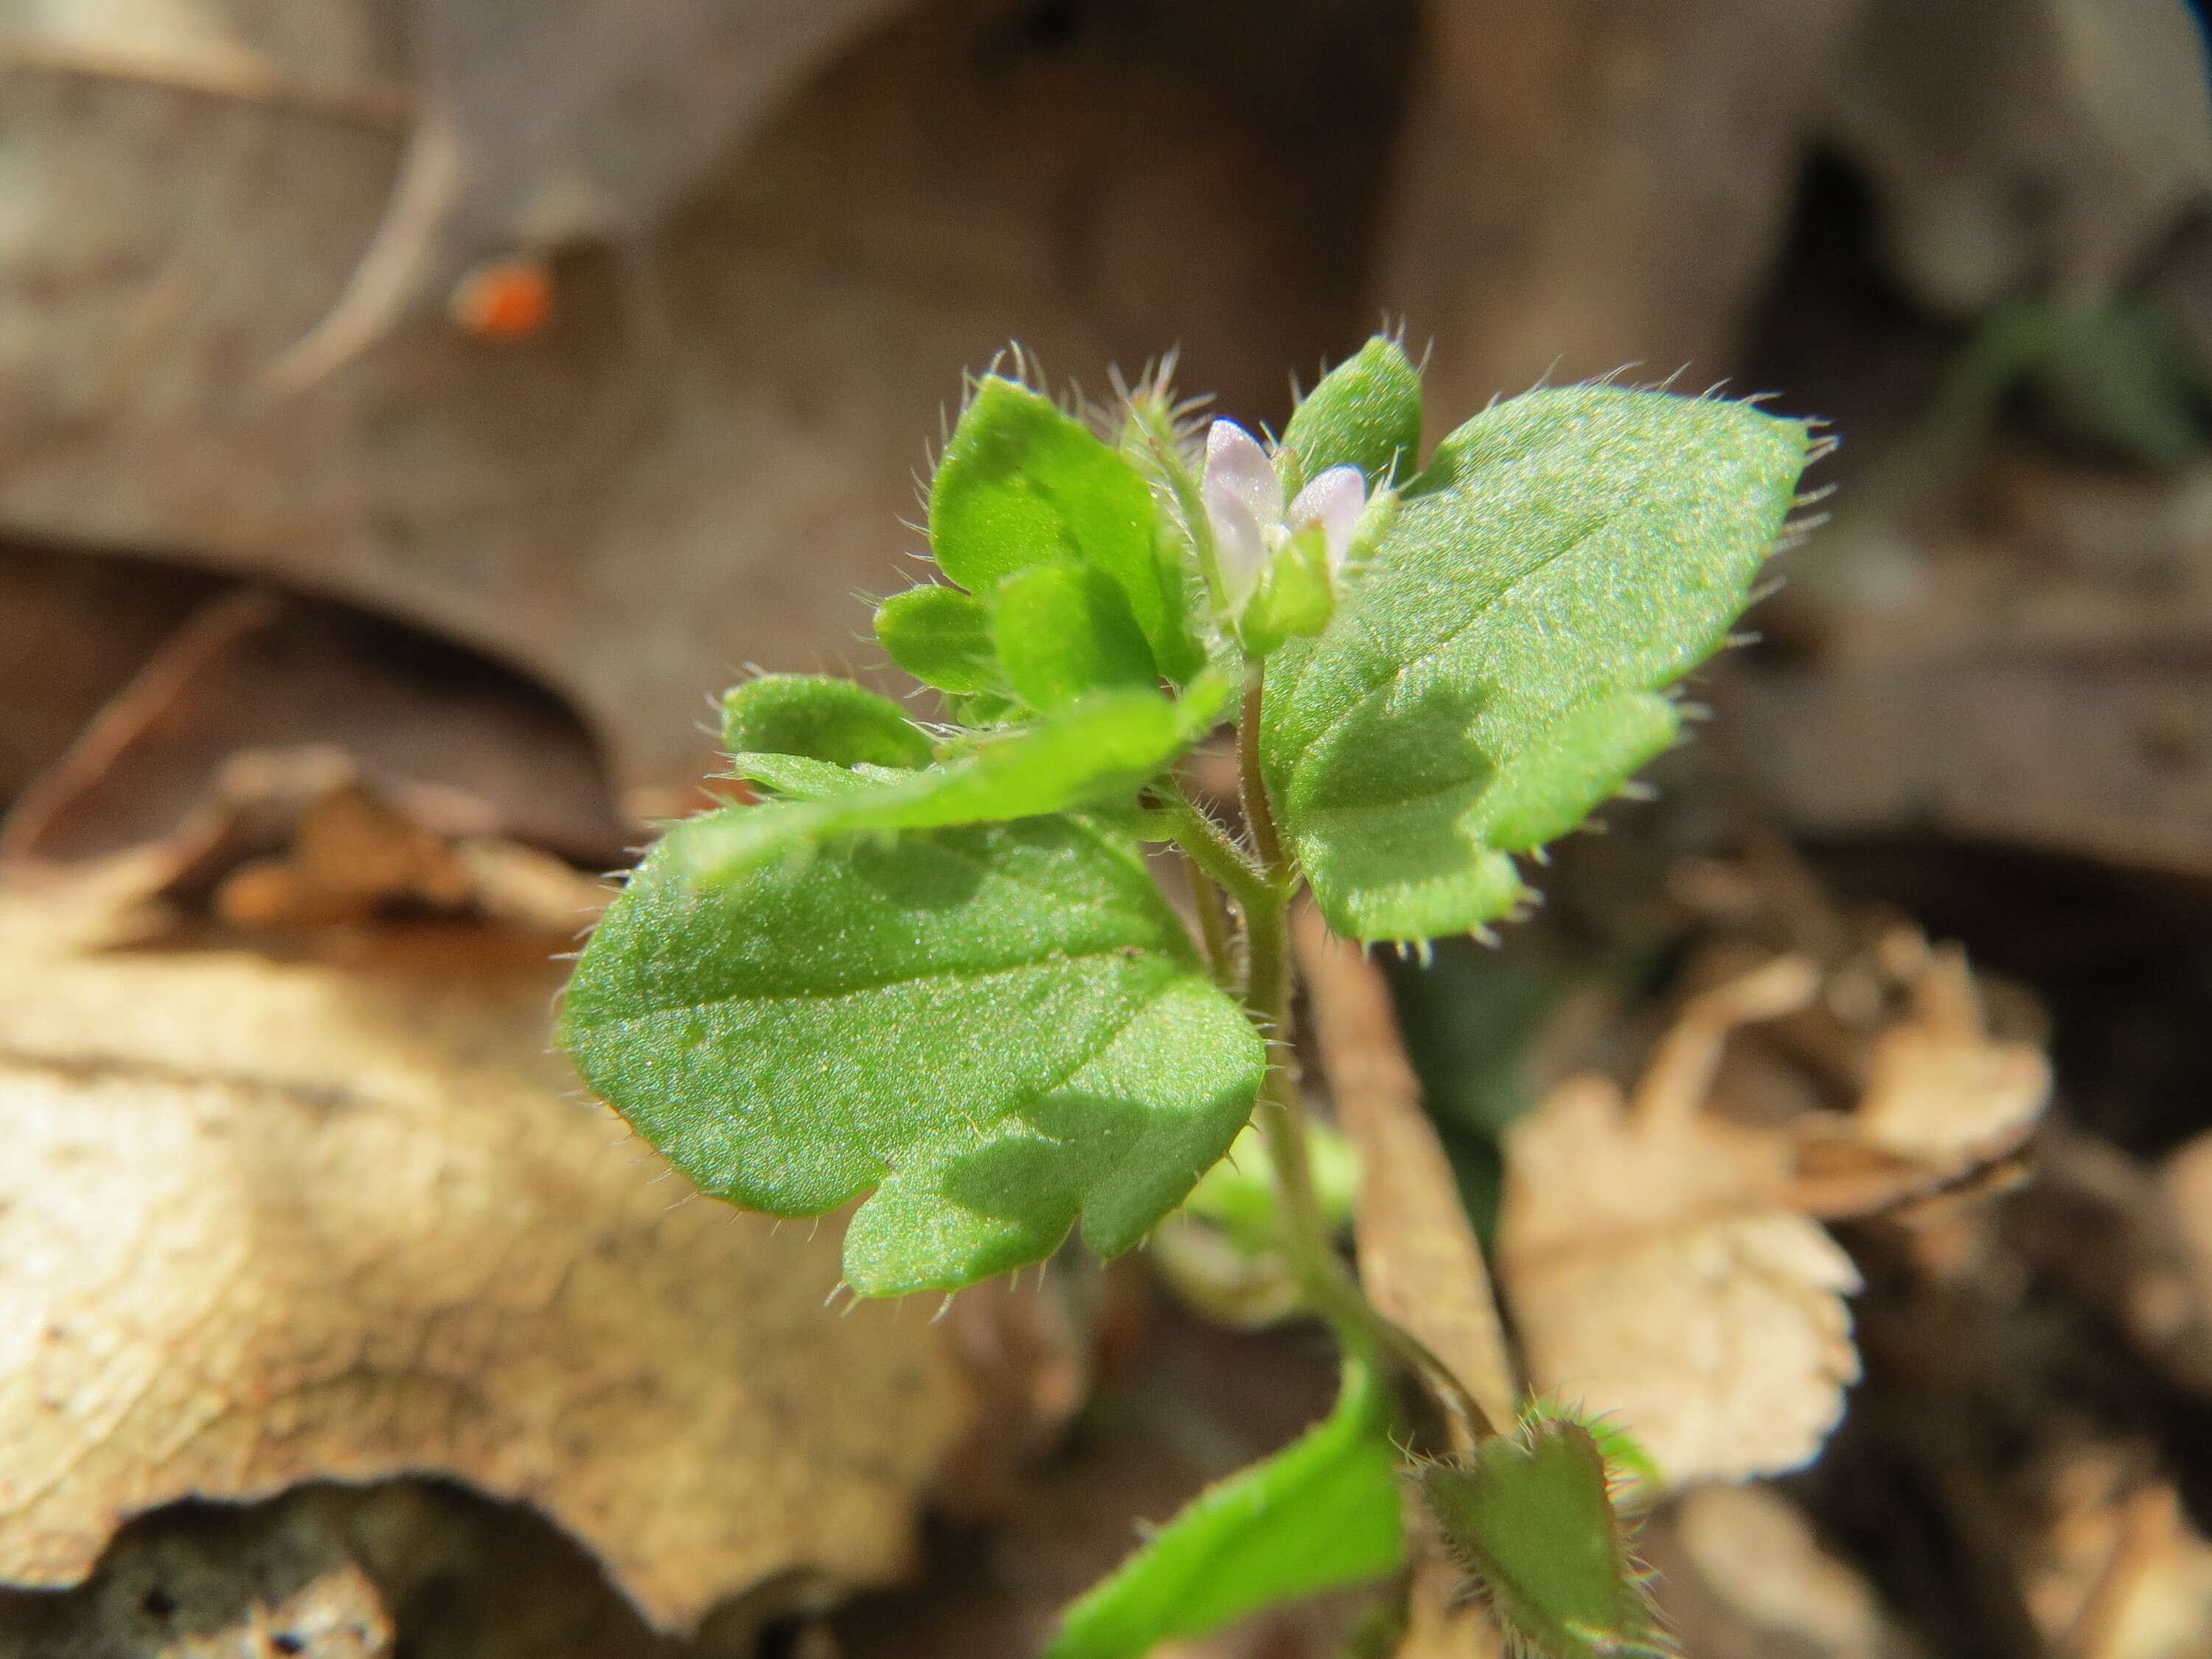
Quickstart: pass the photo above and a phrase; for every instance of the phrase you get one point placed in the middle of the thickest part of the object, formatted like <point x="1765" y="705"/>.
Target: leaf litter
<point x="1662" y="1258"/>
<point x="337" y="1214"/>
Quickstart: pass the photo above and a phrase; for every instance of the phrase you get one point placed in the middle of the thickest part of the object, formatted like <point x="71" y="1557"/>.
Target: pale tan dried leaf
<point x="2119" y="1572"/>
<point x="266" y="1221"/>
<point x="1441" y="1621"/>
<point x="1940" y="1090"/>
<point x="2170" y="1299"/>
<point x="1653" y="1270"/>
<point x="1742" y="1574"/>
<point x="1722" y="1344"/>
<point x="1419" y="1258"/>
<point x="1420" y="1261"/>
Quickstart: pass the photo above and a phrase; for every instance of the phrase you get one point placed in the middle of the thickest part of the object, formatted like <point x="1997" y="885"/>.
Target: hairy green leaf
<point x="941" y="636"/>
<point x="823" y="719"/>
<point x="1320" y="1514"/>
<point x="1496" y="670"/>
<point x="1109" y="744"/>
<point x="1065" y="630"/>
<point x="1366" y="413"/>
<point x="995" y="1029"/>
<point x="1529" y="1518"/>
<point x="1024" y="483"/>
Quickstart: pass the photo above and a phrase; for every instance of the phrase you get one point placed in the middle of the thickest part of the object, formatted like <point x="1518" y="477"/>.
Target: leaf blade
<point x="1107" y="742"/>
<point x="1496" y="671"/>
<point x="997" y="1029"/>
<point x="1529" y="1516"/>
<point x="1319" y="1515"/>
<point x="821" y="717"/>
<point x="1023" y="483"/>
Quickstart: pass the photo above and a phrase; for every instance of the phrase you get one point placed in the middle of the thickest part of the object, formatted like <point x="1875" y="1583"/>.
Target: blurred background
<point x="412" y="411"/>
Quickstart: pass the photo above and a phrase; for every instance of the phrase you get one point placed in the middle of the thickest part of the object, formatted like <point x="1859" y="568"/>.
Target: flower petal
<point x="1235" y="460"/>
<point x="1239" y="543"/>
<point x="1334" y="501"/>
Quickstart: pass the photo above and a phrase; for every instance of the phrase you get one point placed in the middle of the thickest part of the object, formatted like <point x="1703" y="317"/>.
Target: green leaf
<point x="1024" y="483"/>
<point x="1065" y="630"/>
<point x="1366" y="413"/>
<point x="941" y="636"/>
<point x="1495" y="671"/>
<point x="1529" y="1518"/>
<point x="1320" y="1514"/>
<point x="1110" y="743"/>
<point x="995" y="1028"/>
<point x="823" y="719"/>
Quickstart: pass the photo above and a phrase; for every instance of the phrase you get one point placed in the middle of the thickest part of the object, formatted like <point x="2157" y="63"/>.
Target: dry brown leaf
<point x="460" y="746"/>
<point x="2120" y="1573"/>
<point x="1564" y="209"/>
<point x="1940" y="1098"/>
<point x="1442" y="1622"/>
<point x="1420" y="1261"/>
<point x="2015" y="142"/>
<point x="73" y="629"/>
<point x="1742" y="1574"/>
<point x="564" y="120"/>
<point x="342" y="1215"/>
<point x="1939" y="1091"/>
<point x="632" y="526"/>
<point x="1653" y="1271"/>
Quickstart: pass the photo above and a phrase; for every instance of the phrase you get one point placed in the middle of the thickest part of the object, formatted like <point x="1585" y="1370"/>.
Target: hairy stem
<point x="1212" y="923"/>
<point x="1207" y="845"/>
<point x="1327" y="1287"/>
<point x="1321" y="1276"/>
<point x="1258" y="811"/>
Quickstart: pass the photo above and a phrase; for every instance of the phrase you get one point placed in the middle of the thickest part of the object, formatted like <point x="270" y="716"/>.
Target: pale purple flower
<point x="1243" y="497"/>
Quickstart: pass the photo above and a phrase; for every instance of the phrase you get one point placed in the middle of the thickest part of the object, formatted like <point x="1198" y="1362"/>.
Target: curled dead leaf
<point x="2119" y="1571"/>
<point x="1942" y="1098"/>
<point x="1653" y="1271"/>
<point x="1662" y="1257"/>
<point x="1743" y="1573"/>
<point x="340" y="1217"/>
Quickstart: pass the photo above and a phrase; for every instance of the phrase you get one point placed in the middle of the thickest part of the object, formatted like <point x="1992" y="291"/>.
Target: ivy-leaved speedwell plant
<point x="929" y="964"/>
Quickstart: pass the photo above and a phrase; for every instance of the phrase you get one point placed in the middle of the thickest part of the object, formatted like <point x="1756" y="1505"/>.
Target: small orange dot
<point x="506" y="300"/>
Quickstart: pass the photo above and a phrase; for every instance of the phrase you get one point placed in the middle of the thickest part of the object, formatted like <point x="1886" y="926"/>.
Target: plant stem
<point x="1268" y="998"/>
<point x="1308" y="1242"/>
<point x="1207" y="845"/>
<point x="1212" y="923"/>
<point x="1259" y="811"/>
